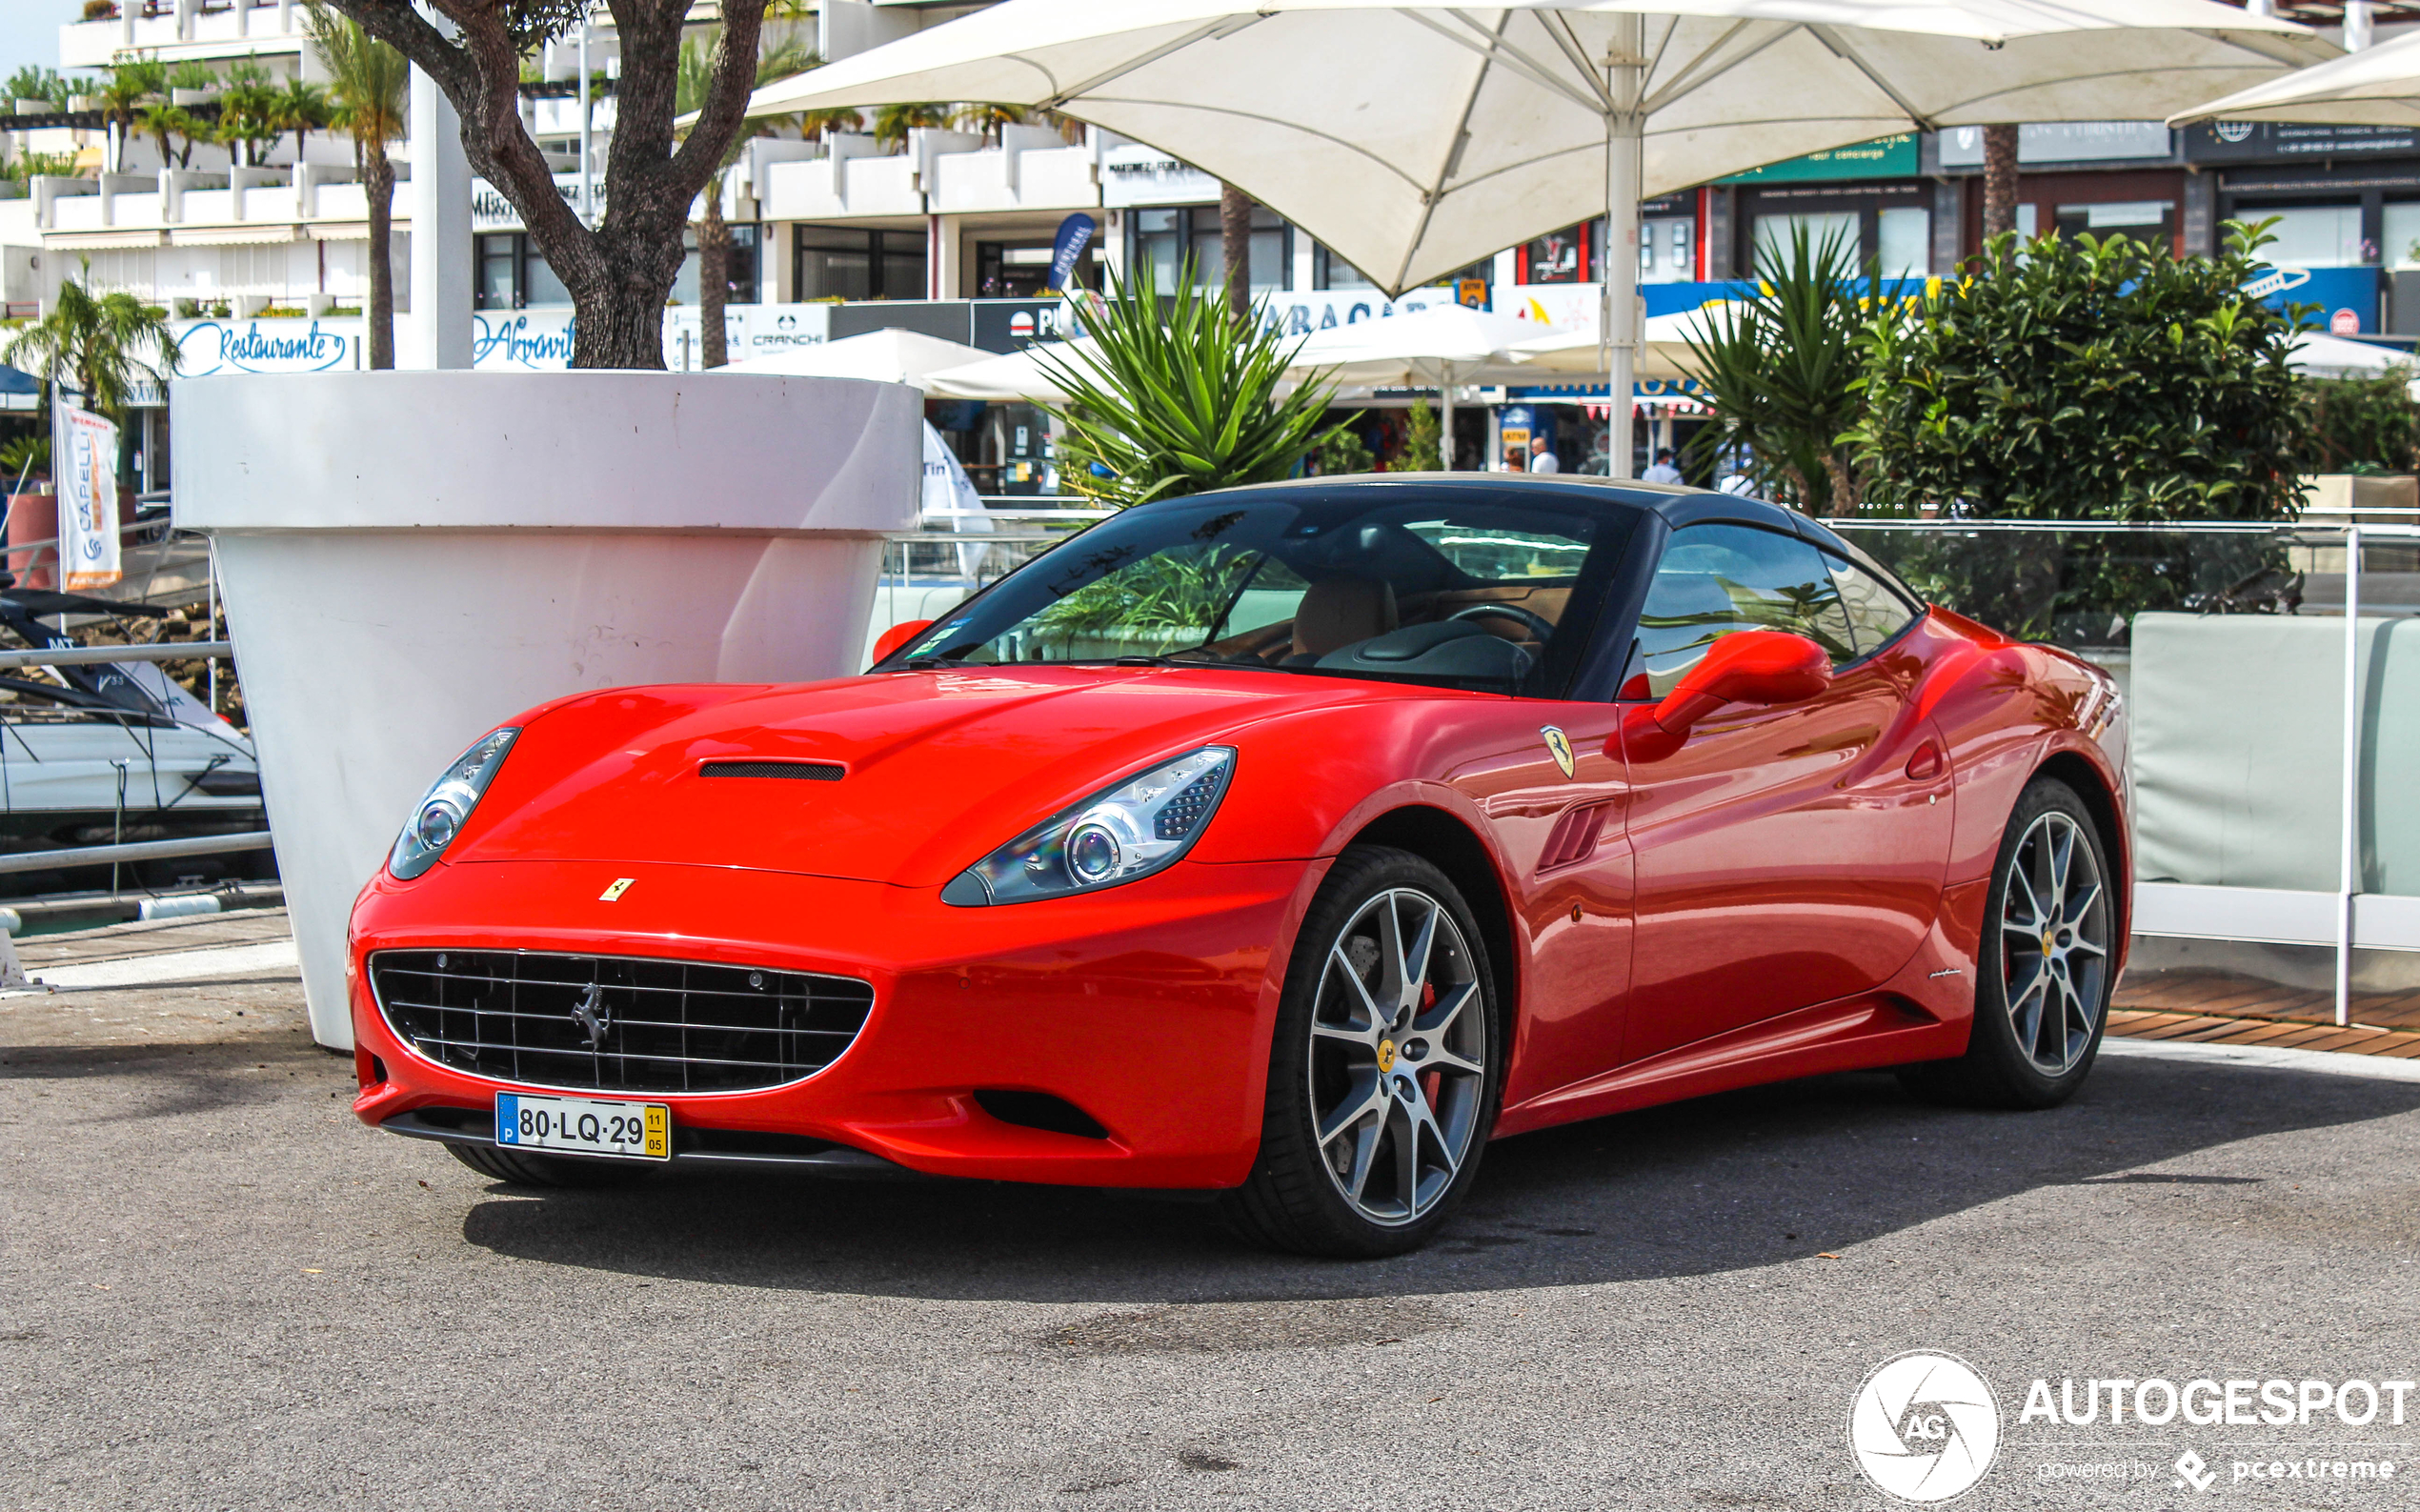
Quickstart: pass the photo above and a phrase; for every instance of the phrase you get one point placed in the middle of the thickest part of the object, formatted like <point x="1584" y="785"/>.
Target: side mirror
<point x="898" y="635"/>
<point x="1747" y="666"/>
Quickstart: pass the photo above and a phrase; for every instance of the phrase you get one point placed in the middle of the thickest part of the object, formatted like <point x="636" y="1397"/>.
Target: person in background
<point x="1542" y="456"/>
<point x="1662" y="472"/>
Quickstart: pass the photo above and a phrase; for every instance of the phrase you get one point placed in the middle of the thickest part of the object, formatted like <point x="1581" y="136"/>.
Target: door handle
<point x="1926" y="764"/>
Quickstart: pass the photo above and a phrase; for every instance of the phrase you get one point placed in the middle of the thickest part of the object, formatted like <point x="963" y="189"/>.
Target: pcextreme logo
<point x="1923" y="1427"/>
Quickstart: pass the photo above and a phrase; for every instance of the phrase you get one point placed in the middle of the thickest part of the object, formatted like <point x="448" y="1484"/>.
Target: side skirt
<point x="1922" y="1014"/>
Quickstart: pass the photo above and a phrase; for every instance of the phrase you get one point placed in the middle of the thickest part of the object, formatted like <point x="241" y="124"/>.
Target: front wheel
<point x="1384" y="1074"/>
<point x="2045" y="964"/>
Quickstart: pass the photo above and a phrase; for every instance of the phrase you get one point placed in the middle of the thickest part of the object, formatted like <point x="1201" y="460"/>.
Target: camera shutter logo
<point x="1923" y="1427"/>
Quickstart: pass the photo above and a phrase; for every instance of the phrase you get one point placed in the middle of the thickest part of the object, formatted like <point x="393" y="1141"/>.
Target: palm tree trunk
<point x="1844" y="499"/>
<point x="1235" y="245"/>
<point x="378" y="177"/>
<point x="714" y="274"/>
<point x="1999" y="180"/>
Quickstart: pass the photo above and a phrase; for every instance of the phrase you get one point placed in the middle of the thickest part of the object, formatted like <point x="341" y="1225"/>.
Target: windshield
<point x="1460" y="586"/>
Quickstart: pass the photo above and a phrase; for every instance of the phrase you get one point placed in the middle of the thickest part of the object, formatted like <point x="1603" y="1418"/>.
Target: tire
<point x="522" y="1169"/>
<point x="2059" y="977"/>
<point x="1347" y="1028"/>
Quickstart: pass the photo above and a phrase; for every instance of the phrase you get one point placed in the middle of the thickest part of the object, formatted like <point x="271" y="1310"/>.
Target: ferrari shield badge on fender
<point x="622" y="885"/>
<point x="1558" y="745"/>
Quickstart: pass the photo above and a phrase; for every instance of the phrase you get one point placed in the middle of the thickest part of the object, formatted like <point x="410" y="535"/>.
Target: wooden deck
<point x="2218" y="1007"/>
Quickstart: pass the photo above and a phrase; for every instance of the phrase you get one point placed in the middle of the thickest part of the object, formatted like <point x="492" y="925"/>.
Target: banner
<point x="84" y="461"/>
<point x="1069" y="245"/>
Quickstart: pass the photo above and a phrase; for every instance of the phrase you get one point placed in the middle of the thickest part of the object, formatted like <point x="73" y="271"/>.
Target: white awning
<point x="235" y="235"/>
<point x="99" y="240"/>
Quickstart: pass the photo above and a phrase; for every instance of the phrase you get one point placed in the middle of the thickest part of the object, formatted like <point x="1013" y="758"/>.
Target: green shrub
<point x="1342" y="450"/>
<point x="2081" y="378"/>
<point x="1423" y="434"/>
<point x="2362" y="425"/>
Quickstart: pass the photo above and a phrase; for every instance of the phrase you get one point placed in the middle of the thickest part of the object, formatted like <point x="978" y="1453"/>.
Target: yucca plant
<point x="1182" y="398"/>
<point x="1780" y="363"/>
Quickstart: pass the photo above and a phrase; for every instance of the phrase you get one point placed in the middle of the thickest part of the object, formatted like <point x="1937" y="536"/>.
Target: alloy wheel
<point x="2054" y="937"/>
<point x="1399" y="1054"/>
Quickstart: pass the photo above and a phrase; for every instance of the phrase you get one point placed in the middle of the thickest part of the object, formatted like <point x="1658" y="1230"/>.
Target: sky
<point x="30" y="31"/>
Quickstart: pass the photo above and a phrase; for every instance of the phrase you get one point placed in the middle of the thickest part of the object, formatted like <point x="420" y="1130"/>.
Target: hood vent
<point x="792" y="771"/>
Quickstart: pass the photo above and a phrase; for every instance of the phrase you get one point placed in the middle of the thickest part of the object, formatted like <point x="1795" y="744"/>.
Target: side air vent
<point x="791" y="771"/>
<point x="1039" y="1110"/>
<point x="1574" y="839"/>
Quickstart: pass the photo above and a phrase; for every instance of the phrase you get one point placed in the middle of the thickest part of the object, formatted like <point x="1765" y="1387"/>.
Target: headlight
<point x="446" y="807"/>
<point x="1126" y="831"/>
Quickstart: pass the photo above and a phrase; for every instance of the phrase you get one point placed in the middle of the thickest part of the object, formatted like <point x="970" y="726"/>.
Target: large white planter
<point x="410" y="558"/>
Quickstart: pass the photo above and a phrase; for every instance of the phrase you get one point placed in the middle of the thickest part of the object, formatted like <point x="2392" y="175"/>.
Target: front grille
<point x="616" y="1023"/>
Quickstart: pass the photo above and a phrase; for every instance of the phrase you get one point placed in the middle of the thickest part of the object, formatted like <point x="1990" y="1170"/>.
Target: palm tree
<point x="101" y="345"/>
<point x="130" y="86"/>
<point x="816" y="125"/>
<point x="169" y="123"/>
<point x="247" y="113"/>
<point x="302" y="109"/>
<point x="986" y="120"/>
<point x="690" y="87"/>
<point x="892" y="123"/>
<point x="367" y="81"/>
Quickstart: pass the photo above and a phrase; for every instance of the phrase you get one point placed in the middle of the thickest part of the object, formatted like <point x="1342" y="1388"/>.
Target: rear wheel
<point x="2045" y="974"/>
<point x="524" y="1169"/>
<point x="1384" y="1073"/>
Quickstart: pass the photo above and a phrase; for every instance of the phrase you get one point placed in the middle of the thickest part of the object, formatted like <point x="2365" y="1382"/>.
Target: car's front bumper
<point x="1148" y="1006"/>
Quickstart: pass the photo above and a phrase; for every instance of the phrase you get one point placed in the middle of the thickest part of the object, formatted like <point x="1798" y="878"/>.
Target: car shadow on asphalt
<point x="1737" y="1182"/>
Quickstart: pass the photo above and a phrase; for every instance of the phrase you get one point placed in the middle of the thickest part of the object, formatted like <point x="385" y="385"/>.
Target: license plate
<point x="638" y="1131"/>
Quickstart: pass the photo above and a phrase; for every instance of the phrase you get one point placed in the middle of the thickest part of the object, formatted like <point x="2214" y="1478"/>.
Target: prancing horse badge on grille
<point x="613" y="894"/>
<point x="1558" y="746"/>
<point x="593" y="1016"/>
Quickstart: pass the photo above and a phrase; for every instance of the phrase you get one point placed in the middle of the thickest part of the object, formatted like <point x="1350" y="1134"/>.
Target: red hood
<point x="942" y="766"/>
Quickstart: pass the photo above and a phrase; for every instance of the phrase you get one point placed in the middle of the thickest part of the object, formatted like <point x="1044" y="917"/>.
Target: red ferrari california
<point x="1285" y="843"/>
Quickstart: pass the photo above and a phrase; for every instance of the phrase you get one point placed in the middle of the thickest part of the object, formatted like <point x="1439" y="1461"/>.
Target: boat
<point x="114" y="752"/>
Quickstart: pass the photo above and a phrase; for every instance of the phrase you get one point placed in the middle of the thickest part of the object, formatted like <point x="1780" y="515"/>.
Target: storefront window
<point x="499" y="284"/>
<point x="540" y="286"/>
<point x="846" y="264"/>
<point x="1328" y="271"/>
<point x="2310" y="235"/>
<point x="1667" y="250"/>
<point x="1560" y="258"/>
<point x="739" y="269"/>
<point x="2152" y="221"/>
<point x="1162" y="238"/>
<point x="1905" y="234"/>
<point x="511" y="276"/>
<point x="1773" y="232"/>
<point x="2399" y="234"/>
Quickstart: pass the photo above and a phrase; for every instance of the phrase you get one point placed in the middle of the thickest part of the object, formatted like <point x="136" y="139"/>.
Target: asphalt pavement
<point x="218" y="1290"/>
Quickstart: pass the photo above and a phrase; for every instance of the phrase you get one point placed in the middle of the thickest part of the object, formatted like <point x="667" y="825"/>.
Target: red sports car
<point x="1285" y="843"/>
